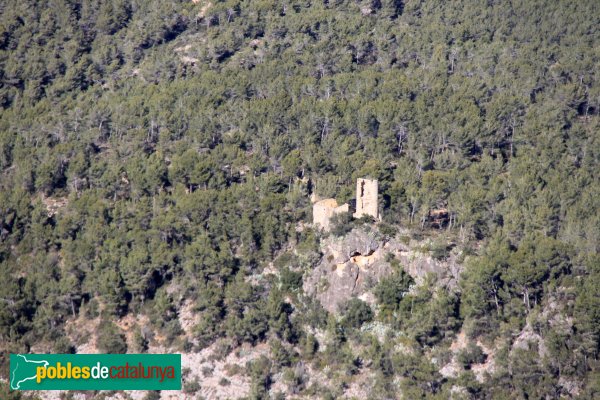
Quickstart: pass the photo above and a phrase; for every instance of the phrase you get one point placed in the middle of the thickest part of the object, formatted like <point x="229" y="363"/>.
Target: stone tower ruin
<point x="324" y="210"/>
<point x="366" y="204"/>
<point x="367" y="198"/>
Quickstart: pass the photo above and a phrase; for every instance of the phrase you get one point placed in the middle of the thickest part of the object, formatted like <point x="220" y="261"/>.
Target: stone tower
<point x="367" y="198"/>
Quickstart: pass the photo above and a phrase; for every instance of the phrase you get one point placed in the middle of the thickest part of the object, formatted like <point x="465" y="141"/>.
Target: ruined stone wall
<point x="324" y="210"/>
<point x="367" y="198"/>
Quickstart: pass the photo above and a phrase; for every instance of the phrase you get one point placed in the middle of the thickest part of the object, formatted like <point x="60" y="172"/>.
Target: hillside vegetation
<point x="156" y="152"/>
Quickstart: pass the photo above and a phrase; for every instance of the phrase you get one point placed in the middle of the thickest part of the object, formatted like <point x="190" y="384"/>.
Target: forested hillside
<point x="153" y="153"/>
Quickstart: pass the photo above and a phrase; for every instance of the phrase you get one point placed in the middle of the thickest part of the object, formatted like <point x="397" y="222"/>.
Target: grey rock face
<point x="355" y="263"/>
<point x="351" y="265"/>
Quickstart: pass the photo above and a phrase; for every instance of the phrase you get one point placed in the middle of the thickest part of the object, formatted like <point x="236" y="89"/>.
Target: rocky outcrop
<point x="418" y="264"/>
<point x="481" y="370"/>
<point x="529" y="337"/>
<point x="350" y="266"/>
<point x="353" y="264"/>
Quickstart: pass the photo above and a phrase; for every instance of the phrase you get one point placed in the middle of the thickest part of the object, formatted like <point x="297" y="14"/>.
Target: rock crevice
<point x="353" y="264"/>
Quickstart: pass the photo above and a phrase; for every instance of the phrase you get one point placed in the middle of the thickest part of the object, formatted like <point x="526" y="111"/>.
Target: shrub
<point x="356" y="312"/>
<point x="153" y="395"/>
<point x="389" y="292"/>
<point x="63" y="345"/>
<point x="192" y="386"/>
<point x="387" y="230"/>
<point x="341" y="224"/>
<point x="285" y="260"/>
<point x="439" y="251"/>
<point x="224" y="382"/>
<point x="110" y="339"/>
<point x="472" y="354"/>
<point x="290" y="280"/>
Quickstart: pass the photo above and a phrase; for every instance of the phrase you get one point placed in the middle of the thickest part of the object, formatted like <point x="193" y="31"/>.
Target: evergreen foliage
<point x="154" y="144"/>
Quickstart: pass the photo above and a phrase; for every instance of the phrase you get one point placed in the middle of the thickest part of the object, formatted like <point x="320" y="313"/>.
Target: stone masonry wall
<point x="325" y="209"/>
<point x="366" y="198"/>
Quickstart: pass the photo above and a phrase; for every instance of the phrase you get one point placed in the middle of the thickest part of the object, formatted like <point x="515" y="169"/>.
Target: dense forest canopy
<point x="147" y="144"/>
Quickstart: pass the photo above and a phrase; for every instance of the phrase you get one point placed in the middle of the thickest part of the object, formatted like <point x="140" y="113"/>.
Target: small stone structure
<point x="366" y="204"/>
<point x="367" y="198"/>
<point x="324" y="210"/>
